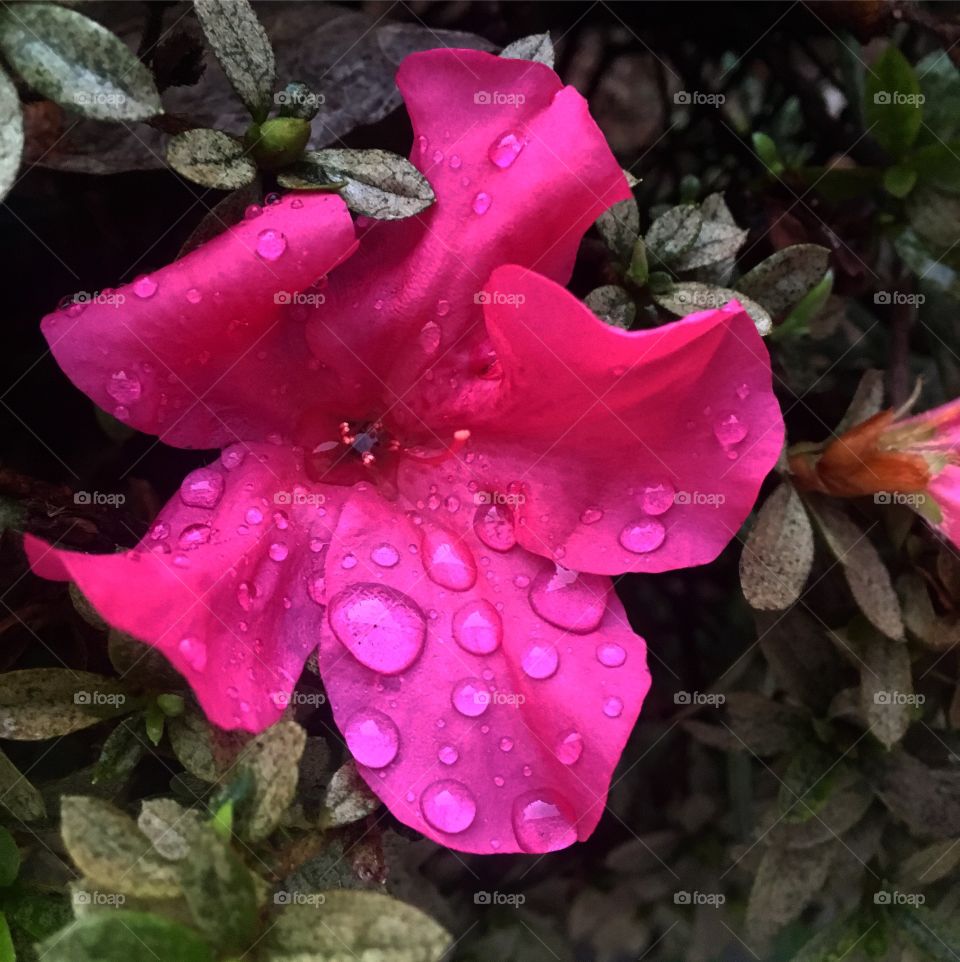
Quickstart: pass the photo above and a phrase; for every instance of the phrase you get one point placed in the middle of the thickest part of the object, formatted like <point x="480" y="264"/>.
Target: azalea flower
<point x="910" y="460"/>
<point x="434" y="457"/>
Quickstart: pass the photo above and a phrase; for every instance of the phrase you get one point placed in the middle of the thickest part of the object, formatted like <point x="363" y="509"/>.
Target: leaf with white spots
<point x="11" y="134"/>
<point x="689" y="297"/>
<point x="348" y="798"/>
<point x="613" y="305"/>
<point x="538" y="47"/>
<point x="674" y="232"/>
<point x="211" y="158"/>
<point x="619" y="226"/>
<point x="783" y="279"/>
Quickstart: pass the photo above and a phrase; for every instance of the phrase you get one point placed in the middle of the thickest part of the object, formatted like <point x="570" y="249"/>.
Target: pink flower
<point x="421" y="455"/>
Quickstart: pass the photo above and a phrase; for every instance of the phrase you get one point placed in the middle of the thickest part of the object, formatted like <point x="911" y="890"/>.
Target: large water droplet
<point x="447" y="560"/>
<point x="470" y="697"/>
<point x="382" y="628"/>
<point x="144" y="286"/>
<point x="430" y="337"/>
<point x="278" y="551"/>
<point x="448" y="806"/>
<point x="482" y="202"/>
<point x="385" y="555"/>
<point x="610" y="654"/>
<point x="569" y="747"/>
<point x="643" y="536"/>
<point x="494" y="526"/>
<point x="124" y="387"/>
<point x="540" y="660"/>
<point x="658" y="498"/>
<point x="194" y="651"/>
<point x="478" y="627"/>
<point x="194" y="535"/>
<point x="271" y="244"/>
<point x="568" y="600"/>
<point x="448" y="754"/>
<point x="372" y="738"/>
<point x="543" y="821"/>
<point x="202" y="488"/>
<point x="506" y="148"/>
<point x="729" y="429"/>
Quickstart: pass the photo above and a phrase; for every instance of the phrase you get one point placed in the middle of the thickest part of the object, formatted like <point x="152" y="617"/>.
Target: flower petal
<point x="945" y="491"/>
<point x="622" y="451"/>
<point x="412" y="291"/>
<point x="225" y="583"/>
<point x="203" y="352"/>
<point x="485" y="695"/>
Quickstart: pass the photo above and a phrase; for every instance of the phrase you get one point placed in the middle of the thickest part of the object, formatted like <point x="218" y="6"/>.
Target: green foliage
<point x="211" y="158"/>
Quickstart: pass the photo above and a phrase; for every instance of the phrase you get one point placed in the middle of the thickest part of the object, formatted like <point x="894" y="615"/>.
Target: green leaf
<point x="931" y="863"/>
<point x="191" y="738"/>
<point x="108" y="848"/>
<point x="892" y="104"/>
<point x="833" y="943"/>
<point x="938" y="166"/>
<point x="940" y="84"/>
<point x="121" y="752"/>
<point x="140" y="665"/>
<point x="73" y="60"/>
<point x="778" y="553"/>
<point x="785" y="277"/>
<point x="154" y="720"/>
<point x="538" y="47"/>
<point x="272" y="759"/>
<point x="619" y="226"/>
<point x="808" y="781"/>
<point x="348" y="798"/>
<point x="639" y="270"/>
<point x="351" y="924"/>
<point x="39" y="703"/>
<point x="613" y="305"/>
<point x="886" y="688"/>
<point x="240" y="43"/>
<point x="120" y="936"/>
<point x="936" y="934"/>
<point x="717" y="241"/>
<point x="867" y="400"/>
<point x="17" y="795"/>
<point x="688" y="297"/>
<point x="9" y="858"/>
<point x="899" y="180"/>
<point x="211" y="158"/>
<point x="767" y="152"/>
<point x="674" y="232"/>
<point x="169" y="826"/>
<point x="804" y="312"/>
<point x="11" y="134"/>
<point x="374" y="183"/>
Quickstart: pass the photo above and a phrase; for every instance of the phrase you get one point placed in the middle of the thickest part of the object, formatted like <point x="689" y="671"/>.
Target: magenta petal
<point x="945" y="491"/>
<point x="636" y="451"/>
<point x="227" y="583"/>
<point x="208" y="350"/>
<point x="520" y="171"/>
<point x="479" y="722"/>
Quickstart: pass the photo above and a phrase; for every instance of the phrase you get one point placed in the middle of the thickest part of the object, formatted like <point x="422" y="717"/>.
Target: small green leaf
<point x="107" y="846"/>
<point x="39" y="703"/>
<point x="191" y="738"/>
<point x="805" y="311"/>
<point x="352" y="924"/>
<point x="71" y="59"/>
<point x="171" y="705"/>
<point x="613" y="305"/>
<point x="120" y="936"/>
<point x="674" y="232"/>
<point x="892" y="102"/>
<point x="940" y="85"/>
<point x="211" y="158"/>
<point x="639" y="270"/>
<point x="785" y="277"/>
<point x="348" y="798"/>
<point x="154" y="720"/>
<point x="938" y="166"/>
<point x="538" y="47"/>
<point x="767" y="152"/>
<point x="619" y="226"/>
<point x="11" y="134"/>
<point x="240" y="43"/>
<point x="899" y="180"/>
<point x="17" y="795"/>
<point x="374" y="183"/>
<point x="121" y="752"/>
<point x="9" y="858"/>
<point x="688" y="297"/>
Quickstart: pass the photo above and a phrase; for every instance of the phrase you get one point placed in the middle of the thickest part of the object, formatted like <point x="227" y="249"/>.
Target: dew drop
<point x="385" y="555"/>
<point x="478" y="627"/>
<point x="315" y="588"/>
<point x="278" y="551"/>
<point x="506" y="744"/>
<point x="591" y="515"/>
<point x="494" y="526"/>
<point x="448" y="806"/>
<point x="506" y="148"/>
<point x="271" y="244"/>
<point x="543" y="821"/>
<point x="124" y="387"/>
<point x="569" y="747"/>
<point x="382" y="628"/>
<point x="568" y="600"/>
<point x="349" y="561"/>
<point x="470" y="697"/>
<point x="202" y="488"/>
<point x="611" y="655"/>
<point x="455" y="162"/>
<point x="253" y="516"/>
<point x="194" y="296"/>
<point x="743" y="392"/>
<point x="145" y="286"/>
<point x="252" y="210"/>
<point x="658" y="498"/>
<point x="447" y="560"/>
<point x="481" y="202"/>
<point x="430" y="337"/>
<point x="194" y="651"/>
<point x="612" y="707"/>
<point x="643" y="536"/>
<point x="372" y="738"/>
<point x="194" y="535"/>
<point x="448" y="754"/>
<point x="540" y="660"/>
<point x="729" y="429"/>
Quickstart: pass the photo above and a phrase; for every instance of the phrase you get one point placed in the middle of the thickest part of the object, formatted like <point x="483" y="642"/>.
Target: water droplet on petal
<point x="568" y="600"/>
<point x="643" y="536"/>
<point x="124" y="387"/>
<point x="447" y="560"/>
<point x="506" y="148"/>
<point x="658" y="498"/>
<point x="478" y="627"/>
<point x="254" y="515"/>
<point x="372" y="738"/>
<point x="494" y="526"/>
<point x="194" y="535"/>
<point x="612" y="707"/>
<point x="271" y="244"/>
<point x="382" y="628"/>
<point x="443" y="308"/>
<point x="385" y="555"/>
<point x="315" y="588"/>
<point x="296" y="203"/>
<point x="470" y="697"/>
<point x="202" y="488"/>
<point x="591" y="515"/>
<point x="506" y="744"/>
<point x="448" y="754"/>
<point x="482" y="202"/>
<point x="448" y="806"/>
<point x="743" y="392"/>
<point x="349" y="561"/>
<point x="278" y="551"/>
<point x="194" y="651"/>
<point x="144" y="286"/>
<point x="252" y="210"/>
<point x="610" y="654"/>
<point x="729" y="429"/>
<point x="569" y="747"/>
<point x="543" y="821"/>
<point x="455" y="162"/>
<point x="194" y="296"/>
<point x="430" y="337"/>
<point x="540" y="660"/>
